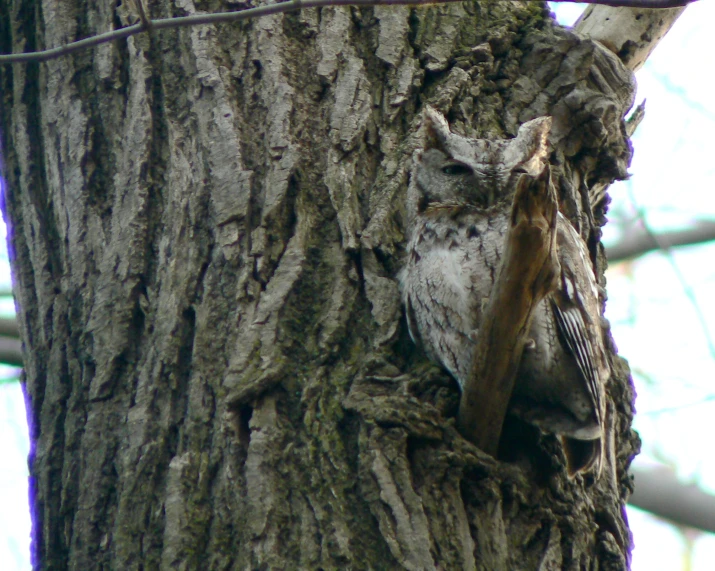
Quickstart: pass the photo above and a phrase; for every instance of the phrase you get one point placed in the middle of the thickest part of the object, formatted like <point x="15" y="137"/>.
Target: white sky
<point x="661" y="308"/>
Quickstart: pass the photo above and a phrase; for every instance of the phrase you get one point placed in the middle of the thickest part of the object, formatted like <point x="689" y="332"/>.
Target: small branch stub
<point x="140" y="10"/>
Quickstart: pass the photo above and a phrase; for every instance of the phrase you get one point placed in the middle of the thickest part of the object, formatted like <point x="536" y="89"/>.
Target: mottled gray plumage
<point x="459" y="203"/>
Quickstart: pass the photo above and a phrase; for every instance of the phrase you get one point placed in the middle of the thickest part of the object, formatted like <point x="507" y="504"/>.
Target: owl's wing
<point x="576" y="309"/>
<point x="574" y="331"/>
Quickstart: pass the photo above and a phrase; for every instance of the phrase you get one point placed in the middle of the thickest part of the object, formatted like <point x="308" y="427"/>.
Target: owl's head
<point x="452" y="171"/>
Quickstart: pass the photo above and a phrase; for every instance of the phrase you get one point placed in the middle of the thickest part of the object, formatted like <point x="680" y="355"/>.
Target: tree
<point x="206" y="225"/>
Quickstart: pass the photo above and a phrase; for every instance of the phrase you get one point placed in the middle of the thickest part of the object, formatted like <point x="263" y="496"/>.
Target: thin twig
<point x="283" y="7"/>
<point x="143" y="17"/>
<point x="677" y="408"/>
<point x="668" y="252"/>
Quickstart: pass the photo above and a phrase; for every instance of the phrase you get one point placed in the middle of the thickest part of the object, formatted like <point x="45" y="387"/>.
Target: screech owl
<point x="458" y="208"/>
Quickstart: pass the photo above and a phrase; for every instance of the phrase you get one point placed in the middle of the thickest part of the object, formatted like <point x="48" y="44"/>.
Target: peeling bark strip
<point x="205" y="229"/>
<point x="527" y="275"/>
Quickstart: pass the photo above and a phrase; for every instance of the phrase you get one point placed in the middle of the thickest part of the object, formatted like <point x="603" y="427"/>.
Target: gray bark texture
<point x="205" y="225"/>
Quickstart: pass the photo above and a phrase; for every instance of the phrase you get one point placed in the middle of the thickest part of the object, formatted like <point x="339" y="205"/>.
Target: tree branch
<point x="633" y="244"/>
<point x="149" y="25"/>
<point x="649" y="4"/>
<point x="526" y="275"/>
<point x="640" y="241"/>
<point x="10" y="351"/>
<point x="8" y="327"/>
<point x="659" y="492"/>
<point x="630" y="33"/>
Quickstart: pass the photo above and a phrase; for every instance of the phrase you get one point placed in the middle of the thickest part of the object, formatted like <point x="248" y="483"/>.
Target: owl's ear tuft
<point x="533" y="143"/>
<point x="435" y="130"/>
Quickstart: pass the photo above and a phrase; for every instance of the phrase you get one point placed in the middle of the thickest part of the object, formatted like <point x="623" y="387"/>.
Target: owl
<point x="458" y="210"/>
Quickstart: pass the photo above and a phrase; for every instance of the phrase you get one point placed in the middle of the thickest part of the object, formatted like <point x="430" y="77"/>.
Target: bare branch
<point x="150" y="25"/>
<point x="659" y="492"/>
<point x="10" y="351"/>
<point x="638" y="242"/>
<point x="630" y="33"/>
<point x="8" y="327"/>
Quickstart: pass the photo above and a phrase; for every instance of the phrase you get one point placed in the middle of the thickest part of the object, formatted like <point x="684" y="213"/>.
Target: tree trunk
<point x="205" y="228"/>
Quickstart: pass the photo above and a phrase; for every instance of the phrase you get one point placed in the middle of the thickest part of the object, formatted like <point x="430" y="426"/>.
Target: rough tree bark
<point x="205" y="228"/>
